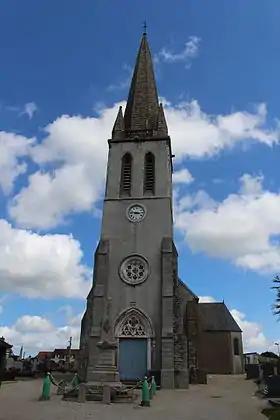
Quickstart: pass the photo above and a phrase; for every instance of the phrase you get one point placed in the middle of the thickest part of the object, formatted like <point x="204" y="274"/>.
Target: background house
<point x="4" y="348"/>
<point x="59" y="359"/>
<point x="65" y="358"/>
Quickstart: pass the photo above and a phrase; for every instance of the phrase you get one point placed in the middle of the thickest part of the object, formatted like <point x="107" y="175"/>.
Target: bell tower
<point x="136" y="261"/>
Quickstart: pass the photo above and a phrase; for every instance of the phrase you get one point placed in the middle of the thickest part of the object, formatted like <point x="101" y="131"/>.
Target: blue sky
<point x="64" y="71"/>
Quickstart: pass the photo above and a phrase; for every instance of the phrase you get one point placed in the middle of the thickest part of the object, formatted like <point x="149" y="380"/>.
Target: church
<point x="156" y="322"/>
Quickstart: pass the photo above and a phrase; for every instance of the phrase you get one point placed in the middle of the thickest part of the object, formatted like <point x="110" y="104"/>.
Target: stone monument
<point x="105" y="374"/>
<point x="105" y="369"/>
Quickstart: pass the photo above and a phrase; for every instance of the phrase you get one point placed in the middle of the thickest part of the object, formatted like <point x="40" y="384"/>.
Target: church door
<point x="132" y="358"/>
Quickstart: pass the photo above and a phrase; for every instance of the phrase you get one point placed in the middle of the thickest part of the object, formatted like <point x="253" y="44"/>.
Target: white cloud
<point x="242" y="228"/>
<point x="41" y="266"/>
<point x="206" y="299"/>
<point x="29" y="109"/>
<point x="253" y="335"/>
<point x="189" y="52"/>
<point x="28" y="323"/>
<point x="251" y="185"/>
<point x="196" y="134"/>
<point x="13" y="148"/>
<point x="182" y="176"/>
<point x="38" y="334"/>
<point x="78" y="147"/>
<point x="73" y="157"/>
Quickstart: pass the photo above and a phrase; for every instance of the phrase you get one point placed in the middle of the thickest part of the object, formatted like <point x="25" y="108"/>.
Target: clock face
<point x="136" y="213"/>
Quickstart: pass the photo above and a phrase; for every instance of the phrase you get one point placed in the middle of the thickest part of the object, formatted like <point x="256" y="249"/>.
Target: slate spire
<point x="118" y="129"/>
<point x="161" y="122"/>
<point x="141" y="113"/>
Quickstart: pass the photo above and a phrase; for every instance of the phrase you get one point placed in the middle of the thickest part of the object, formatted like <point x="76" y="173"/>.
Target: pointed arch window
<point x="126" y="174"/>
<point x="149" y="174"/>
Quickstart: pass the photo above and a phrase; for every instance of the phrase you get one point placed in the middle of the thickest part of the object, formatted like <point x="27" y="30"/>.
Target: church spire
<point x="141" y="113"/>
<point x="118" y="129"/>
<point x="161" y="122"/>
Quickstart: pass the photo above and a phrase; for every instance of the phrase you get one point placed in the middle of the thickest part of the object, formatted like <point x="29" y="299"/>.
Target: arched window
<point x="126" y="174"/>
<point x="149" y="174"/>
<point x="236" y="347"/>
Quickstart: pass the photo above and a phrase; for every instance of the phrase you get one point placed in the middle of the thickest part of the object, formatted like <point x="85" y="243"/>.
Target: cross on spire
<point x="145" y="28"/>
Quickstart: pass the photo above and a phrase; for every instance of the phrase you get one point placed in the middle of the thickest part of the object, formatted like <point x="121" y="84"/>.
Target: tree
<point x="276" y="305"/>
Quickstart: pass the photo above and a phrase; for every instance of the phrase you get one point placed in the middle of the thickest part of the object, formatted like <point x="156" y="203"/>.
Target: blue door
<point x="132" y="358"/>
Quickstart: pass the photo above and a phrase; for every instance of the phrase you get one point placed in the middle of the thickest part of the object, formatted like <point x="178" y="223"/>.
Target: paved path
<point x="225" y="397"/>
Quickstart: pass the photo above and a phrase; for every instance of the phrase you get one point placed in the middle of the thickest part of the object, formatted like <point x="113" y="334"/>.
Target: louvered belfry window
<point x="149" y="176"/>
<point x="126" y="174"/>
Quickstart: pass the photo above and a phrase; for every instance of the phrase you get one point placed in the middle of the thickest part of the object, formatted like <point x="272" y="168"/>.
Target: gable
<point x="217" y="317"/>
<point x="186" y="292"/>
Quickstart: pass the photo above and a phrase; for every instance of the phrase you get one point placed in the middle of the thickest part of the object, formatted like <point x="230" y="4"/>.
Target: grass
<point x="272" y="413"/>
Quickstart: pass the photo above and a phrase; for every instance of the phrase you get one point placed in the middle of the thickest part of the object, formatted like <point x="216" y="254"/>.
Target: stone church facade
<point x="154" y="317"/>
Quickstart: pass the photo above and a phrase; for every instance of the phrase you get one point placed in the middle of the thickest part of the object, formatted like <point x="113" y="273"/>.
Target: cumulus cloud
<point x="189" y="52"/>
<point x="36" y="333"/>
<point x="72" y="157"/>
<point x="41" y="266"/>
<point x="28" y="323"/>
<point x="13" y="148"/>
<point x="242" y="228"/>
<point x="77" y="147"/>
<point x="182" y="176"/>
<point x="253" y="335"/>
<point x="196" y="134"/>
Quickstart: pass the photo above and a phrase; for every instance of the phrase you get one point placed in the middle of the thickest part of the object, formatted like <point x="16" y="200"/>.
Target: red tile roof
<point x="44" y="354"/>
<point x="65" y="352"/>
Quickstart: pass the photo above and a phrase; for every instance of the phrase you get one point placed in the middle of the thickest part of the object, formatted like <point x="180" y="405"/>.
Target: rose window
<point x="134" y="270"/>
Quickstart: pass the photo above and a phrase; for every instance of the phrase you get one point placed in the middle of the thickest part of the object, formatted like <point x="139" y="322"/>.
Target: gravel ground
<point x="224" y="398"/>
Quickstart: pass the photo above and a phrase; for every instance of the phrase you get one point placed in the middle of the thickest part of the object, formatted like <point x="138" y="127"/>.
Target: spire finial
<point x="145" y="27"/>
<point x="142" y="103"/>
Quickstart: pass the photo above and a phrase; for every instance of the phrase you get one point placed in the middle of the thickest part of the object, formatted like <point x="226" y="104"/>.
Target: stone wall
<point x="238" y="360"/>
<point x="216" y="352"/>
<point x="193" y="336"/>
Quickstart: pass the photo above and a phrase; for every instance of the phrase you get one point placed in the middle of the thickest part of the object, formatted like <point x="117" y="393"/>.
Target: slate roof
<point x="217" y="317"/>
<point x="144" y="115"/>
<point x="142" y="103"/>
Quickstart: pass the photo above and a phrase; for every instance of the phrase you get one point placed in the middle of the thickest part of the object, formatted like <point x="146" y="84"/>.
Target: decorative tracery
<point x="134" y="323"/>
<point x="134" y="270"/>
<point x="133" y="327"/>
